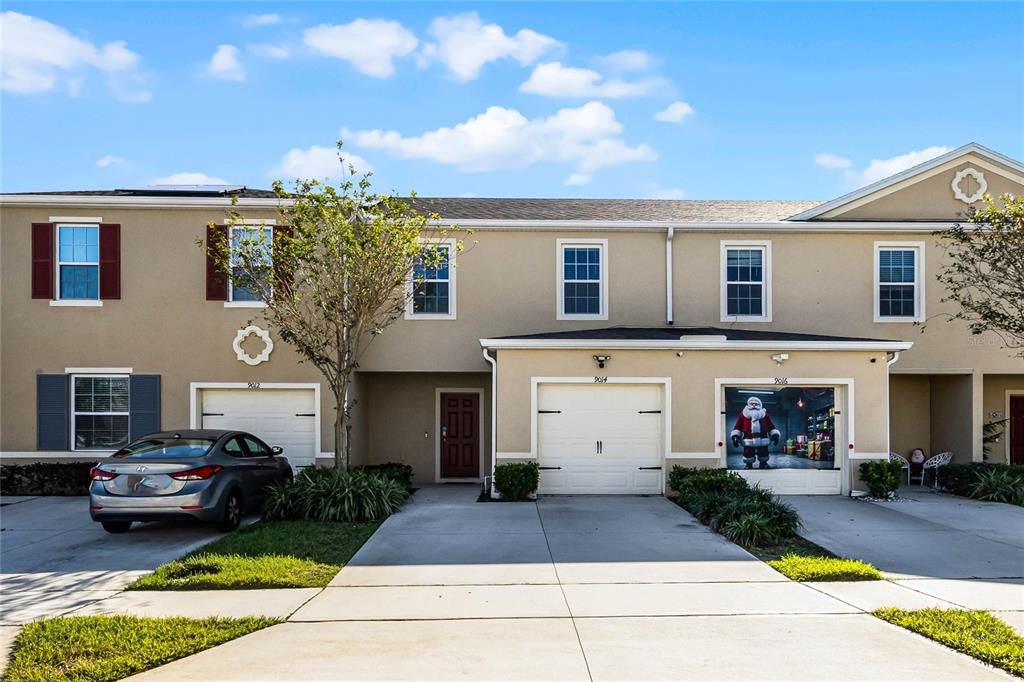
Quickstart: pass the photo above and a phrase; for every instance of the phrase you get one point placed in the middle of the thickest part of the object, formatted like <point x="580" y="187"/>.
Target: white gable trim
<point x="973" y="152"/>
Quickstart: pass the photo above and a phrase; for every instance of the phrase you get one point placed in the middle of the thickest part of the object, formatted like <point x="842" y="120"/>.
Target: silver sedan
<point x="202" y="475"/>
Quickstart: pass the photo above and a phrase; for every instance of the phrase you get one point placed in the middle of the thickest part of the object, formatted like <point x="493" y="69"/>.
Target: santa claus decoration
<point x="755" y="430"/>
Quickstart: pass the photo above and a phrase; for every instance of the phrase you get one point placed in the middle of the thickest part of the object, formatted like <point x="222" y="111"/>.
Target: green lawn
<point x="98" y="648"/>
<point x="823" y="569"/>
<point x="264" y="555"/>
<point x="975" y="633"/>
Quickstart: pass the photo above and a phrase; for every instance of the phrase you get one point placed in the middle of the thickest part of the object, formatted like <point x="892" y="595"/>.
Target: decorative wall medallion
<point x="969" y="185"/>
<point x="240" y="338"/>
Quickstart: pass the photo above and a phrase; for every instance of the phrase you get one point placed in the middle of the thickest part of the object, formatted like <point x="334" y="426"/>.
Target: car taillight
<point x="197" y="474"/>
<point x="98" y="474"/>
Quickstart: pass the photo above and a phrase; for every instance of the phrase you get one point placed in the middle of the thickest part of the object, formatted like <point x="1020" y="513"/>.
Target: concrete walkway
<point x="935" y="549"/>
<point x="568" y="588"/>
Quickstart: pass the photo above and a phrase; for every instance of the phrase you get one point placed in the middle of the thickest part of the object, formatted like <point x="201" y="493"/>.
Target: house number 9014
<point x="254" y="384"/>
<point x="600" y="380"/>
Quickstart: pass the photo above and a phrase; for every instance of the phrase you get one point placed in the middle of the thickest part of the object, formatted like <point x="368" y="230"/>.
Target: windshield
<point x="151" y="448"/>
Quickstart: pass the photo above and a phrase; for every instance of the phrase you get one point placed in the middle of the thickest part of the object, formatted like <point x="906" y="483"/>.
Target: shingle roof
<point x="683" y="210"/>
<point x="460" y="208"/>
<point x="678" y="333"/>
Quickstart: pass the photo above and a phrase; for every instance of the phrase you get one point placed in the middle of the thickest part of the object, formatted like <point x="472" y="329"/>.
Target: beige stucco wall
<point x="402" y="425"/>
<point x="933" y="198"/>
<point x="910" y="413"/>
<point x="694" y="408"/>
<point x="994" y="401"/>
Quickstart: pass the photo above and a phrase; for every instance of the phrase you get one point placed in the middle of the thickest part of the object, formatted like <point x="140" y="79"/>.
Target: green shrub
<point x="997" y="485"/>
<point x="396" y="471"/>
<point x="517" y="480"/>
<point x="956" y="478"/>
<point x="332" y="495"/>
<point x="690" y="482"/>
<point x="882" y="477"/>
<point x="824" y="569"/>
<point x="46" y="478"/>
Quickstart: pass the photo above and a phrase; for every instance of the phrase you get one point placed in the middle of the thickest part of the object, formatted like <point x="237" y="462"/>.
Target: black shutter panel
<point x="144" y="405"/>
<point x="52" y="412"/>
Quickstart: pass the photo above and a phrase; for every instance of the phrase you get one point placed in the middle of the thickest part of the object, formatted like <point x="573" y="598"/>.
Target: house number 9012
<point x="600" y="380"/>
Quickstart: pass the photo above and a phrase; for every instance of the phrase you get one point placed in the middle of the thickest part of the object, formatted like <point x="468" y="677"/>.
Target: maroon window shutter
<point x="216" y="279"/>
<point x="42" y="260"/>
<point x="110" y="261"/>
<point x="283" y="270"/>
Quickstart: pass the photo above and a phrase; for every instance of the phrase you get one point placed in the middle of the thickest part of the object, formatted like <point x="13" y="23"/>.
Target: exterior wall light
<point x="780" y="358"/>
<point x="601" y="359"/>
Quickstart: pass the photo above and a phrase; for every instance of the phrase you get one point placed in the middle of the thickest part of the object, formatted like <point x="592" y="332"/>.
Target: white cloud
<point x="883" y="168"/>
<point x="110" y="160"/>
<point x="659" y="192"/>
<point x="257" y="20"/>
<point x="826" y="160"/>
<point x="674" y="113"/>
<point x="269" y="51"/>
<point x="627" y="60"/>
<point x="577" y="179"/>
<point x="37" y="56"/>
<point x="465" y="44"/>
<point x="319" y="162"/>
<point x="502" y="139"/>
<point x="224" y="64"/>
<point x="554" y="79"/>
<point x="371" y="45"/>
<point x="189" y="179"/>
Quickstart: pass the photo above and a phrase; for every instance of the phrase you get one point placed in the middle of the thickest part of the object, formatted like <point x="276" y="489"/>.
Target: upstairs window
<point x="898" y="282"/>
<point x="78" y="262"/>
<point x="100" y="412"/>
<point x="433" y="283"/>
<point x="746" y="281"/>
<point x="244" y="289"/>
<point x="582" y="279"/>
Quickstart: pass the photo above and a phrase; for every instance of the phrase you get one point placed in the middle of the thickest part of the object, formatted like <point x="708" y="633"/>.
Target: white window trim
<point x="448" y="243"/>
<point x="918" y="248"/>
<point x="766" y="284"/>
<point x="74" y="302"/>
<point x="248" y="225"/>
<point x="561" y="245"/>
<point x="74" y="413"/>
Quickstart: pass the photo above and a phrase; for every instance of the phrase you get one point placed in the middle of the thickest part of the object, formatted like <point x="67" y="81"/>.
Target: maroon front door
<point x="1016" y="429"/>
<point x="460" y="435"/>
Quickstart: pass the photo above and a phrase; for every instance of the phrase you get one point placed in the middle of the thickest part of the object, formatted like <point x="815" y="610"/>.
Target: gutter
<point x="697" y="344"/>
<point x="670" y="233"/>
<point x="494" y="417"/>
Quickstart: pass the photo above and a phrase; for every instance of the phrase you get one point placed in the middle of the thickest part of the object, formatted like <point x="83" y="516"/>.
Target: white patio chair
<point x="904" y="463"/>
<point x="934" y="462"/>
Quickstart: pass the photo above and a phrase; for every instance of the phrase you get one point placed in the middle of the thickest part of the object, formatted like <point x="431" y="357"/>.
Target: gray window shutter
<point x="52" y="411"/>
<point x="144" y="405"/>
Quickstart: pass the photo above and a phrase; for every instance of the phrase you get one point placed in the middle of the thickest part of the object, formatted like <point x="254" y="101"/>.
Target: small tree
<point x="984" y="270"/>
<point x="341" y="266"/>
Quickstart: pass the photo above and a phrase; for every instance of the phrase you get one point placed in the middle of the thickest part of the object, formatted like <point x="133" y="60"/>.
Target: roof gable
<point x="926" y="191"/>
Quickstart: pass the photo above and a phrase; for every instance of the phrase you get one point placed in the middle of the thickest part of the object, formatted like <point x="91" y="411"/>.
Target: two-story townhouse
<point x="607" y="339"/>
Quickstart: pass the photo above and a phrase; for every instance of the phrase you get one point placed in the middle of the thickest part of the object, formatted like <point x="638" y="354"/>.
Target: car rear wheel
<point x="232" y="512"/>
<point x="116" y="526"/>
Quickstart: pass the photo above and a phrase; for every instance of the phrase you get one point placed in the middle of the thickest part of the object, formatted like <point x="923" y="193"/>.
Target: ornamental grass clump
<point x="331" y="495"/>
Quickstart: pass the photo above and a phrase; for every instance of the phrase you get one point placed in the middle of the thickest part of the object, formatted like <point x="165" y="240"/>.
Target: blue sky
<point x="802" y="101"/>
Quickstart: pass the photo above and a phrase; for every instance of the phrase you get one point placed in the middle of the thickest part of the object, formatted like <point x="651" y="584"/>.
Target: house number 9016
<point x="600" y="380"/>
<point x="781" y="381"/>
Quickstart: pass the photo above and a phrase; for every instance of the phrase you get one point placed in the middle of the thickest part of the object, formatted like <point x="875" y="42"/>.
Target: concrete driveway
<point x="568" y="588"/>
<point x="55" y="559"/>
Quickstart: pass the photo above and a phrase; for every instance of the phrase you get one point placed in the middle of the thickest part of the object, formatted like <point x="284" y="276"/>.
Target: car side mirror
<point x="277" y="450"/>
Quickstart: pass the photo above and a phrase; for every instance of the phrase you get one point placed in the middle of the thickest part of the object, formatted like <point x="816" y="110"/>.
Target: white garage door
<point x="600" y="439"/>
<point x="283" y="417"/>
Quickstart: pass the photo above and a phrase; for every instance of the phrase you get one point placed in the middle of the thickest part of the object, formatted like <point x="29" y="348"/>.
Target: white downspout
<point x="668" y="275"/>
<point x="494" y="415"/>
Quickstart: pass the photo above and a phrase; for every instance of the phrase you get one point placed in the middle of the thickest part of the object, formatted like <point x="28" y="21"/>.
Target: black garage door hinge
<point x="648" y="468"/>
<point x="213" y="414"/>
<point x="305" y="414"/>
<point x="648" y="411"/>
<point x="549" y="412"/>
<point x="549" y="468"/>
